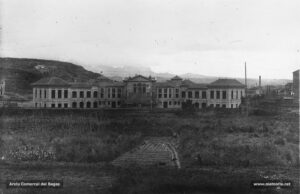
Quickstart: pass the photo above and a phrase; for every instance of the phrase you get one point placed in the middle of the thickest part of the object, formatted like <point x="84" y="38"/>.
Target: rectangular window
<point x="52" y="105"/>
<point x="81" y="94"/>
<point x="212" y="94"/>
<point x="59" y="105"/>
<point x="53" y="94"/>
<point x="224" y="94"/>
<point x="95" y="94"/>
<point x="102" y="92"/>
<point x="65" y="105"/>
<point x="197" y="94"/>
<point x="217" y="105"/>
<point x="231" y="105"/>
<point x="232" y="95"/>
<point x="183" y="94"/>
<point x="241" y="94"/>
<point x="224" y="106"/>
<point x="113" y="92"/>
<point x="45" y="93"/>
<point x="108" y="92"/>
<point x="40" y="93"/>
<point x="35" y="93"/>
<point x="119" y="92"/>
<point x="190" y="94"/>
<point x="177" y="93"/>
<point x="88" y="94"/>
<point x="74" y="94"/>
<point x="165" y="93"/>
<point x="59" y="94"/>
<point x="170" y="102"/>
<point x="203" y="94"/>
<point x="218" y="94"/>
<point x="159" y="93"/>
<point x="170" y="93"/>
<point x="65" y="93"/>
<point x="236" y="95"/>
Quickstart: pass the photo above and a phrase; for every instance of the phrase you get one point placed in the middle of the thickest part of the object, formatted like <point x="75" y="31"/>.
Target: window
<point x="35" y="105"/>
<point x="175" y="102"/>
<point x="59" y="105"/>
<point x="203" y="94"/>
<point x="231" y="105"/>
<point x="53" y="94"/>
<point x="113" y="92"/>
<point x="183" y="94"/>
<point x="165" y="92"/>
<point x="102" y="93"/>
<point x="88" y="104"/>
<point x="236" y="106"/>
<point x="119" y="103"/>
<point x="212" y="94"/>
<point x="65" y="93"/>
<point x="95" y="104"/>
<point x="52" y="105"/>
<point x="232" y="95"/>
<point x="218" y="94"/>
<point x="134" y="88"/>
<point x="197" y="94"/>
<point x="74" y="94"/>
<point x="81" y="94"/>
<point x="241" y="94"/>
<point x="159" y="93"/>
<point x="40" y="93"/>
<point x="177" y="93"/>
<point x="190" y="94"/>
<point x="211" y="105"/>
<point x="81" y="104"/>
<point x="224" y="106"/>
<point x="59" y="94"/>
<point x="35" y="93"/>
<point x="74" y="105"/>
<point x="65" y="105"/>
<point x="45" y="93"/>
<point x="45" y="105"/>
<point x="236" y="95"/>
<point x="119" y="92"/>
<point x="170" y="93"/>
<point x="170" y="102"/>
<point x="144" y="88"/>
<point x="217" y="105"/>
<point x="88" y="94"/>
<point x="95" y="94"/>
<point x="224" y="94"/>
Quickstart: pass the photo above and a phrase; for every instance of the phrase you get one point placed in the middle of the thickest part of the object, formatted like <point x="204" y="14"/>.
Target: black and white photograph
<point x="149" y="96"/>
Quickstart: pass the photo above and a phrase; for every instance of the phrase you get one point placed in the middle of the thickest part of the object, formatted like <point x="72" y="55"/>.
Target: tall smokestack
<point x="246" y="75"/>
<point x="259" y="82"/>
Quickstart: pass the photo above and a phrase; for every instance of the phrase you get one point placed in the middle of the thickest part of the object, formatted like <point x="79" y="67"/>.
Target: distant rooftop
<point x="226" y="83"/>
<point x="51" y="81"/>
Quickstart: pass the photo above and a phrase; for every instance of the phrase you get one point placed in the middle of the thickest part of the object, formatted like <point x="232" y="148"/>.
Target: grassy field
<point x="228" y="143"/>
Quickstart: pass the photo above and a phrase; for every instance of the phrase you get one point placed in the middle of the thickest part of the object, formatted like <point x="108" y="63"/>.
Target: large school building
<point x="137" y="91"/>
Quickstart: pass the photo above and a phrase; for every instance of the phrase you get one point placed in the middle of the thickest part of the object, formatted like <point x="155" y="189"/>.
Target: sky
<point x="207" y="37"/>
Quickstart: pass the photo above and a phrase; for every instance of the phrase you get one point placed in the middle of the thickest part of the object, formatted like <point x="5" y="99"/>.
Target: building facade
<point x="296" y="86"/>
<point x="2" y="88"/>
<point x="137" y="91"/>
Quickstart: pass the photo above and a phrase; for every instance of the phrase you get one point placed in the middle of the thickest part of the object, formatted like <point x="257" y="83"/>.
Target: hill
<point x="20" y="73"/>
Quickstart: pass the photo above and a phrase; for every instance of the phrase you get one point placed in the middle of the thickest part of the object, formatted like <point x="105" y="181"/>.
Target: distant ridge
<point x="21" y="72"/>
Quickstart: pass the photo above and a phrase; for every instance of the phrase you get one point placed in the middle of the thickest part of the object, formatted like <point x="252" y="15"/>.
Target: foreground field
<point x="217" y="150"/>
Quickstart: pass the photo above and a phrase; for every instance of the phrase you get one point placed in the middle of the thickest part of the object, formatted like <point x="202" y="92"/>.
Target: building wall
<point x="114" y="96"/>
<point x="296" y="85"/>
<point x="2" y="87"/>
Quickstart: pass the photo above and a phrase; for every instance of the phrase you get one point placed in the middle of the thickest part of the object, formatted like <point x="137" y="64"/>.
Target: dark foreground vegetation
<point x="220" y="151"/>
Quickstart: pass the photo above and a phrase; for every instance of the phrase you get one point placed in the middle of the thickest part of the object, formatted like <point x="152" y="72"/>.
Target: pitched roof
<point x="51" y="81"/>
<point x="139" y="78"/>
<point x="226" y="83"/>
<point x="189" y="84"/>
